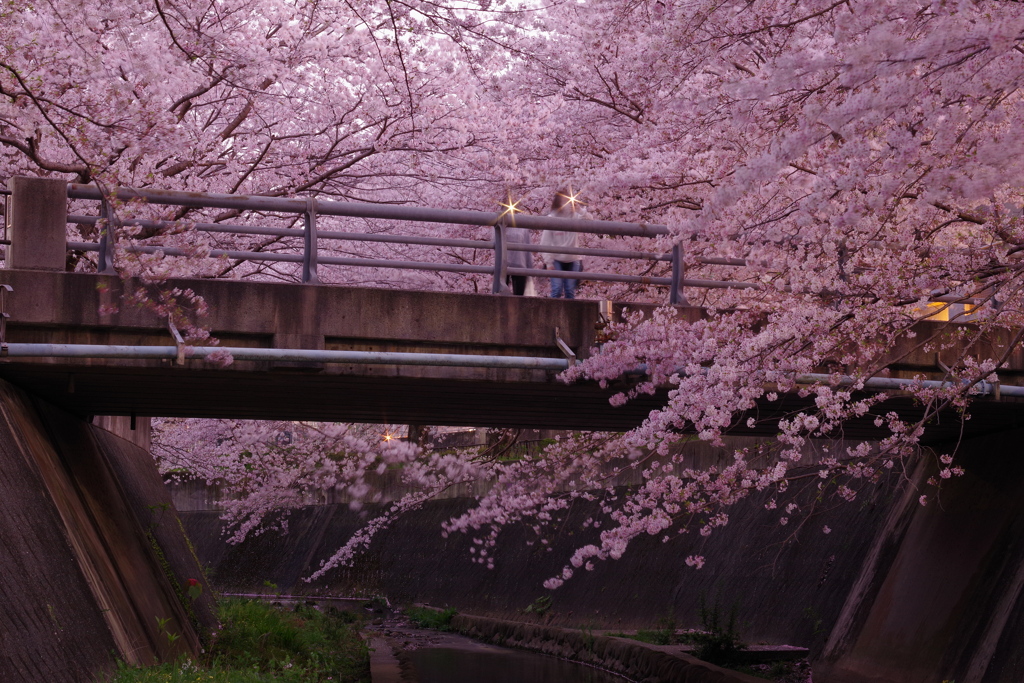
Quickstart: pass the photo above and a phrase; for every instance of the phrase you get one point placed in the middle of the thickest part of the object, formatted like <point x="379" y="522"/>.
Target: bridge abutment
<point x="95" y="565"/>
<point x="941" y="592"/>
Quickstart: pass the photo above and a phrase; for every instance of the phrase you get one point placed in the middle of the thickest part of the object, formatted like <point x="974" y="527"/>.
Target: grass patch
<point x="424" y="617"/>
<point x="656" y="637"/>
<point x="665" y="635"/>
<point x="718" y="643"/>
<point x="259" y="642"/>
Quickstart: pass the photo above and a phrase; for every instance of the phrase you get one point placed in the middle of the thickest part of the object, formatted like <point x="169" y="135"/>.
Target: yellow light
<point x="510" y="208"/>
<point x="388" y="436"/>
<point x="941" y="313"/>
<point x="573" y="198"/>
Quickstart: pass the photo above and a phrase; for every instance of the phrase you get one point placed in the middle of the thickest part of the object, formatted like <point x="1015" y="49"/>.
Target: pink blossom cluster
<point x="863" y="159"/>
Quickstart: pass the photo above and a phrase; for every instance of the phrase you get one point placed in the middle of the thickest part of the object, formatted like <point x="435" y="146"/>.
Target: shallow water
<point x="485" y="663"/>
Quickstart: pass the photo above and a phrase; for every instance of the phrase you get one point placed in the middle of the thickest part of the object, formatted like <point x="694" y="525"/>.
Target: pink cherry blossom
<point x="862" y="159"/>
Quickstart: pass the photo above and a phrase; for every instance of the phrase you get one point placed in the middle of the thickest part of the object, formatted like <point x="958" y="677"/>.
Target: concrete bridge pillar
<point x="37" y="223"/>
<point x="135" y="429"/>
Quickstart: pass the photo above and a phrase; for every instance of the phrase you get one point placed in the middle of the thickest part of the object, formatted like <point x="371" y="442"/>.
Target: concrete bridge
<point x="64" y="308"/>
<point x="925" y="593"/>
<point x="317" y="352"/>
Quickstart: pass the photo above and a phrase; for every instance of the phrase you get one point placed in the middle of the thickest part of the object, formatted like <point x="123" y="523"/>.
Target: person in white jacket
<point x="562" y="206"/>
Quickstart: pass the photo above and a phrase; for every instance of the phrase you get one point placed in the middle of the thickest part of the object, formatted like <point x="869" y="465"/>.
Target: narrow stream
<point x="453" y="665"/>
<point x="461" y="660"/>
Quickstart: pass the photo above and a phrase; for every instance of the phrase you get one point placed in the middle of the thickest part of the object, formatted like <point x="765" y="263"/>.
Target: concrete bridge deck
<point x="56" y="307"/>
<point x="78" y="308"/>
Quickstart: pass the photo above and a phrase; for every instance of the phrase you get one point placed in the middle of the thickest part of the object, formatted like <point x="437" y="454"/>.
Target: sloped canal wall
<point x="92" y="553"/>
<point x="788" y="584"/>
<point x="896" y="592"/>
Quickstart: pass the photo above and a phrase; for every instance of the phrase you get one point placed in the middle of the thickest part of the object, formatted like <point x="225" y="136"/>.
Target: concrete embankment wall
<point x="92" y="553"/>
<point x="897" y="592"/>
<point x="939" y="596"/>
<point x="787" y="583"/>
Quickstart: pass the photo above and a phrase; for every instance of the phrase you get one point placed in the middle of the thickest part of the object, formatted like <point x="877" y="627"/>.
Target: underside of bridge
<point x="328" y="398"/>
<point x="303" y="395"/>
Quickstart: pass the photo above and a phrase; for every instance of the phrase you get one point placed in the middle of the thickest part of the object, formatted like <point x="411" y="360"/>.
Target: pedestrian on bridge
<point x="518" y="259"/>
<point x="564" y="205"/>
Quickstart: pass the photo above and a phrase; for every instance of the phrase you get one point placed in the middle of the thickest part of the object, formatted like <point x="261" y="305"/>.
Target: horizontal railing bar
<point x="405" y="265"/>
<point x="202" y="227"/>
<point x="588" y="226"/>
<point x="589" y="276"/>
<point x="297" y="258"/>
<point x="719" y="261"/>
<point x="641" y="279"/>
<point x="435" y="267"/>
<point x="192" y="199"/>
<point x="582" y="251"/>
<point x="294" y="355"/>
<point x="293" y="232"/>
<point x="719" y="284"/>
<point x="400" y="239"/>
<point x="365" y="210"/>
<point x="880" y="383"/>
<point x="213" y="253"/>
<point x="405" y="239"/>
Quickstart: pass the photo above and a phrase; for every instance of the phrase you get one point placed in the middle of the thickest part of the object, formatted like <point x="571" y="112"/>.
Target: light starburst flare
<point x="509" y="208"/>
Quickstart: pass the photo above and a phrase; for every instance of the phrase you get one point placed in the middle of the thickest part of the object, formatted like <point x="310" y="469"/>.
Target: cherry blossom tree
<point x="860" y="160"/>
<point x="373" y="101"/>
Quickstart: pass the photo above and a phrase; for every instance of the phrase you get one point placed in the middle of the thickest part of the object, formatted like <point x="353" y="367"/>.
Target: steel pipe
<point x="295" y="232"/>
<point x="641" y="279"/>
<point x="202" y="227"/>
<point x="297" y="258"/>
<point x="233" y="228"/>
<point x="297" y="355"/>
<point x="406" y="239"/>
<point x="405" y="265"/>
<point x="583" y="251"/>
<point x="214" y="253"/>
<point x="192" y="199"/>
<point x="586" y="275"/>
<point x="882" y="383"/>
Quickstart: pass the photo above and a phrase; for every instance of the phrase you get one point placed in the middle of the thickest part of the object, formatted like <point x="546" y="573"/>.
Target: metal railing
<point x="311" y="258"/>
<point x="182" y="352"/>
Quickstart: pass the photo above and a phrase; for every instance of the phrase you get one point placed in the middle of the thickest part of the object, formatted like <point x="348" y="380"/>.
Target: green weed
<point x="717" y="643"/>
<point x="540" y="606"/>
<point x="260" y="643"/>
<point x="424" y="617"/>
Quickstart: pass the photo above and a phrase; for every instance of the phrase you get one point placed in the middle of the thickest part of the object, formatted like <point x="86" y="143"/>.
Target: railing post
<point x="38" y="223"/>
<point x="499" y="285"/>
<point x="309" y="252"/>
<point x="108" y="237"/>
<point x="676" y="297"/>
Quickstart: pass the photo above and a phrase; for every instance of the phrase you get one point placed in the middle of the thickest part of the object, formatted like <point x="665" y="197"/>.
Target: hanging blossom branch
<point x="863" y="163"/>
